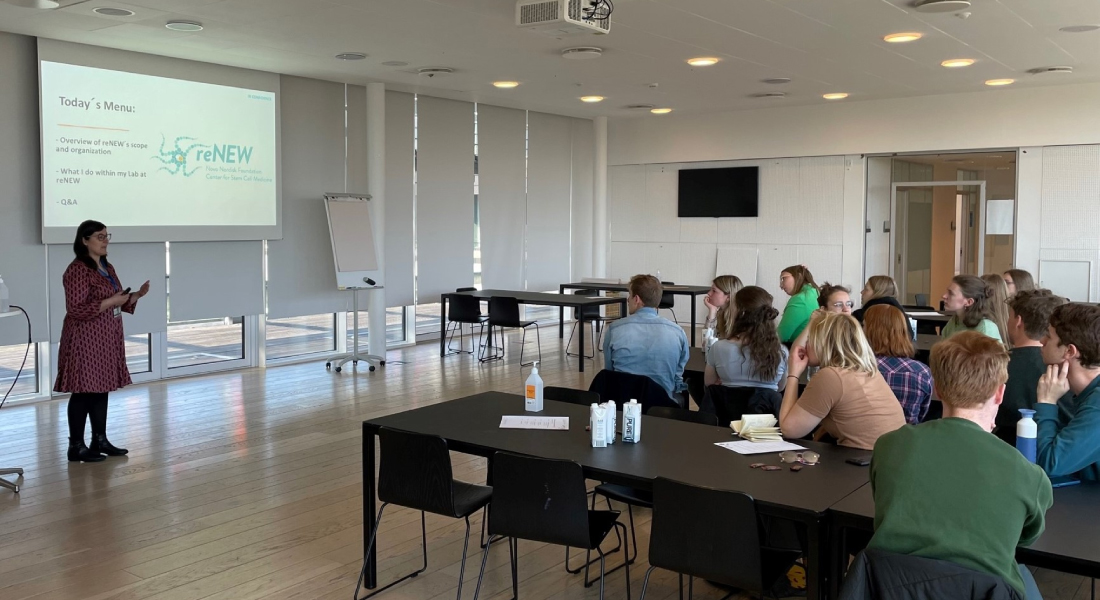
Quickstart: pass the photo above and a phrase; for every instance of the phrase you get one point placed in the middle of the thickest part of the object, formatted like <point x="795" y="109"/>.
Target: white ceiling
<point x="823" y="45"/>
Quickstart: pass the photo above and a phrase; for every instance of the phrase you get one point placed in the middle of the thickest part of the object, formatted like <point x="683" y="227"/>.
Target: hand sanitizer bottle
<point x="533" y="391"/>
<point x="1026" y="430"/>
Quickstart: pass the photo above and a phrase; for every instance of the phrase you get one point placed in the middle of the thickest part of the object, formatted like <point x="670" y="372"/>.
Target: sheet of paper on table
<point x="525" y="422"/>
<point x="746" y="447"/>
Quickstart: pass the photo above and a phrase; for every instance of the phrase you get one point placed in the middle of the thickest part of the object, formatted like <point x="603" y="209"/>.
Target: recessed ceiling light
<point x="395" y="63"/>
<point x="702" y="61"/>
<point x="898" y="38"/>
<point x="110" y="11"/>
<point x="955" y="63"/>
<point x="582" y="53"/>
<point x="591" y="99"/>
<point x="184" y="26"/>
<point x="351" y="56"/>
<point x="34" y="3"/>
<point x="941" y="6"/>
<point x="776" y="80"/>
<point x="1079" y="28"/>
<point x="835" y="96"/>
<point x="507" y="85"/>
<point x="431" y="72"/>
<point x="1000" y="81"/>
<point x="660" y="111"/>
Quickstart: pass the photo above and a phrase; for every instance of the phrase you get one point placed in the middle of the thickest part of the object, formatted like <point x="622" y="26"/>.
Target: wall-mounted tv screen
<point x="727" y="192"/>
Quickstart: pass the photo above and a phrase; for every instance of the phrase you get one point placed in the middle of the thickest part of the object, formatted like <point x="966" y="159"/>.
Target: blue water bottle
<point x="1025" y="434"/>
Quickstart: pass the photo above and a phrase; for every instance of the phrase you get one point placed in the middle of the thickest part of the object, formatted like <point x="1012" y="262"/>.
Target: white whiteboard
<point x="354" y="252"/>
<point x="1067" y="278"/>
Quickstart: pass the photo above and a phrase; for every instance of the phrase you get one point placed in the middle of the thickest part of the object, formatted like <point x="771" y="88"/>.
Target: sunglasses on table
<point x="804" y="458"/>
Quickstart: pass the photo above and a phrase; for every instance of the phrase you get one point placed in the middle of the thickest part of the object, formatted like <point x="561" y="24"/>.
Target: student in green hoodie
<point x="799" y="284"/>
<point x="1071" y="350"/>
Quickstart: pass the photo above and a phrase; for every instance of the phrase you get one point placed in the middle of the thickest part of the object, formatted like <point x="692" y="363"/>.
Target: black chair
<point x="623" y="387"/>
<point x="668" y="301"/>
<point x="464" y="310"/>
<point x="504" y="313"/>
<point x="415" y="472"/>
<point x="570" y="395"/>
<point x="632" y="497"/>
<point x="727" y="549"/>
<point x="732" y="402"/>
<point x="544" y="500"/>
<point x="682" y="414"/>
<point x="587" y="314"/>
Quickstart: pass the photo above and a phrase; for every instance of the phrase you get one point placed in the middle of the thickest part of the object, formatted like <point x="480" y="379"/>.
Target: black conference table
<point x="692" y="291"/>
<point x="537" y="298"/>
<point x="1070" y="543"/>
<point x="669" y="448"/>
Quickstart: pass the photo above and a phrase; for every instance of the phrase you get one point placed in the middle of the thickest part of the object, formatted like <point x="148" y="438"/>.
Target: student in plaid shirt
<point x="887" y="331"/>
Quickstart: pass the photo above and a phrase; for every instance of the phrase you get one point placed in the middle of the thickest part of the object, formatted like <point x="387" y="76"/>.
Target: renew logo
<point x="224" y="153"/>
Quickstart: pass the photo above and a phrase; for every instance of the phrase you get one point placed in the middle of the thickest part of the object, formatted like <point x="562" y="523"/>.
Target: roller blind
<point x="549" y="167"/>
<point x="445" y="197"/>
<point x="22" y="257"/>
<point x="215" y="279"/>
<point x="301" y="275"/>
<point x="134" y="263"/>
<point x="399" y="199"/>
<point x="502" y="197"/>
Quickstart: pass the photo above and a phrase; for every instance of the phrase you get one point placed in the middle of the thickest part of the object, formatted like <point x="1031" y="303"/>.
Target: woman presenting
<point x="91" y="359"/>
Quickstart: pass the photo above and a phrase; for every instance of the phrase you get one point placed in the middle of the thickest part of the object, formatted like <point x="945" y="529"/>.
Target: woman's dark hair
<point x="976" y="289"/>
<point x="84" y="231"/>
<point x="827" y="289"/>
<point x="754" y="325"/>
<point x="1021" y="279"/>
<point x="802" y="277"/>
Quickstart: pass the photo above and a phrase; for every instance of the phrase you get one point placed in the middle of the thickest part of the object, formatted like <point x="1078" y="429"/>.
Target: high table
<point x="669" y="448"/>
<point x="1070" y="543"/>
<point x="692" y="291"/>
<point x="538" y="298"/>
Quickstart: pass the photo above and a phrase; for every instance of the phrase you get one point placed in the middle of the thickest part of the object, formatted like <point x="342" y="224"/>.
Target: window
<point x="296" y="336"/>
<point x="395" y="327"/>
<point x="11" y="357"/>
<point x="138" y="353"/>
<point x="203" y="342"/>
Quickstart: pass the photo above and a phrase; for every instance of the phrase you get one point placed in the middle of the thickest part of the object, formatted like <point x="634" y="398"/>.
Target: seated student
<point x="881" y="289"/>
<point x="1018" y="280"/>
<point x="749" y="353"/>
<point x="722" y="291"/>
<point x="799" y="284"/>
<point x="1071" y="350"/>
<point x="1028" y="318"/>
<point x="998" y="304"/>
<point x="645" y="343"/>
<point x="967" y="298"/>
<point x="948" y="490"/>
<point x="835" y="298"/>
<point x="910" y="379"/>
<point x="848" y="397"/>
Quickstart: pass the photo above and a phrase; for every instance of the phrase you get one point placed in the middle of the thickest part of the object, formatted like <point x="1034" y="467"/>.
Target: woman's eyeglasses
<point x="804" y="458"/>
<point x="103" y="237"/>
<point x="849" y="304"/>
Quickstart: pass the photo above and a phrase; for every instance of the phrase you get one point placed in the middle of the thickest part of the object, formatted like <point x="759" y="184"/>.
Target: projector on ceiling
<point x="559" y="18"/>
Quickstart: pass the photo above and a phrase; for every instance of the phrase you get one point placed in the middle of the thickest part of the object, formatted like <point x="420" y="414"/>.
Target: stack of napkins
<point x="757" y="428"/>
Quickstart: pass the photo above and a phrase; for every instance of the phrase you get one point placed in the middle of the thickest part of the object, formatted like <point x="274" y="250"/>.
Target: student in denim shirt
<point x="645" y="343"/>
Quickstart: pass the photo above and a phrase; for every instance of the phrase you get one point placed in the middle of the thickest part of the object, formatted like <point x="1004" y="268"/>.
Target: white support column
<point x="376" y="187"/>
<point x="599" y="201"/>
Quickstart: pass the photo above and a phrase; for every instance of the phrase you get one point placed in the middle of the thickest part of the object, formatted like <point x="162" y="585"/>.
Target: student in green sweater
<point x="1071" y="350"/>
<point x="799" y="284"/>
<point x="968" y="298"/>
<point x="948" y="489"/>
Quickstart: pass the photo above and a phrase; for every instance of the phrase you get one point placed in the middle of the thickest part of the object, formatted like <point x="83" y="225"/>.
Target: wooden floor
<point x="247" y="485"/>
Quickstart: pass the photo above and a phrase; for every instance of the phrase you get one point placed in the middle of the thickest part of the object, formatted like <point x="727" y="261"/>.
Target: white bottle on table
<point x="532" y="391"/>
<point x="609" y="422"/>
<point x="597" y="426"/>
<point x="632" y="422"/>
